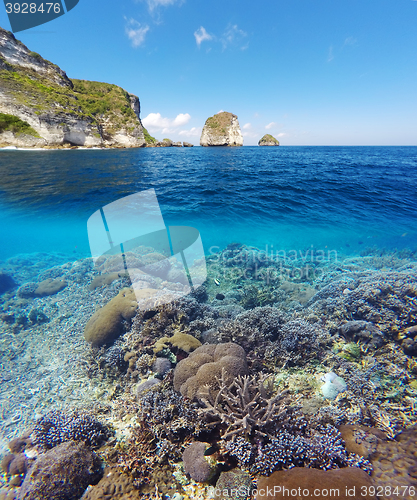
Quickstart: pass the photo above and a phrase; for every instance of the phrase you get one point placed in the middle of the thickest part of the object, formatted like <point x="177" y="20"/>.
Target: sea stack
<point x="268" y="140"/>
<point x="221" y="130"/>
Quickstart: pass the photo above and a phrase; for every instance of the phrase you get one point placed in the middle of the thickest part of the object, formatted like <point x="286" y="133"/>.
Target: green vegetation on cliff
<point x="96" y="102"/>
<point x="96" y="99"/>
<point x="10" y="123"/>
<point x="219" y="122"/>
<point x="148" y="138"/>
<point x="268" y="139"/>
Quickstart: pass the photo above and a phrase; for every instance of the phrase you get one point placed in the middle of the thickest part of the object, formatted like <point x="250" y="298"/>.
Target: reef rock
<point x="107" y="323"/>
<point x="40" y="106"/>
<point x="63" y="472"/>
<point x="6" y="282"/>
<point x="301" y="482"/>
<point x="268" y="140"/>
<point x="221" y="130"/>
<point x="196" y="464"/>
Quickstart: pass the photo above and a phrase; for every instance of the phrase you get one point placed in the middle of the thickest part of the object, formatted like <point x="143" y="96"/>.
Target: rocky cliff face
<point x="268" y="140"/>
<point x="60" y="110"/>
<point x="221" y="130"/>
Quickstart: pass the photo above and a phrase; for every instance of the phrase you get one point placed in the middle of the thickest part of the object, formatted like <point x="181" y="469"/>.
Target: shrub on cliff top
<point x="16" y="125"/>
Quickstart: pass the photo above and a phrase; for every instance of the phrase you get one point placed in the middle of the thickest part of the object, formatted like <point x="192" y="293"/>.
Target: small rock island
<point x="221" y="129"/>
<point x="268" y="140"/>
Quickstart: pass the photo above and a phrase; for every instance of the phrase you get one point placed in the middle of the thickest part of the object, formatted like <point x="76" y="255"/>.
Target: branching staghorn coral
<point x="246" y="406"/>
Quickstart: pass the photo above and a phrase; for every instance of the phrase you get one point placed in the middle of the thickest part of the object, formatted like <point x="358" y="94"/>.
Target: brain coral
<point x="204" y="367"/>
<point x="106" y="324"/>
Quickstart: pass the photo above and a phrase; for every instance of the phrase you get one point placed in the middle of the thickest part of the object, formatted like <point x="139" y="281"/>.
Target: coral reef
<point x="107" y="323"/>
<point x="13" y="464"/>
<point x="245" y="407"/>
<point x="395" y="465"/>
<point x="315" y="482"/>
<point x="106" y="279"/>
<point x="161" y="366"/>
<point x="206" y="365"/>
<point x="57" y="426"/>
<point x="168" y="413"/>
<point x="6" y="282"/>
<point x="234" y="484"/>
<point x="114" y="485"/>
<point x="267" y="333"/>
<point x="49" y="287"/>
<point x="181" y="340"/>
<point x="385" y="299"/>
<point x="62" y="473"/>
<point x="114" y="358"/>
<point x="196" y="464"/>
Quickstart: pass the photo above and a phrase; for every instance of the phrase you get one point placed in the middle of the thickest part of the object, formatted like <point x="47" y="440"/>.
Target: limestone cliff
<point x="221" y="130"/>
<point x="56" y="110"/>
<point x="268" y="140"/>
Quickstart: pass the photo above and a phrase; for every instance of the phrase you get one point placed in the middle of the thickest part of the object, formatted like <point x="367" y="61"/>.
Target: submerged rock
<point x="6" y="282"/>
<point x="61" y="473"/>
<point x="268" y="140"/>
<point x="221" y="130"/>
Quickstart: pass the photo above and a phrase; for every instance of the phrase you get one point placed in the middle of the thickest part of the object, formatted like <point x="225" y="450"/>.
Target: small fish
<point x="217" y="282"/>
<point x="404" y="234"/>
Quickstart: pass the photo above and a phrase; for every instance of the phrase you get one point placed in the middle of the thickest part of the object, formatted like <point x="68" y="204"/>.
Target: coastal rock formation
<point x="268" y="140"/>
<point x="187" y="144"/>
<point x="221" y="130"/>
<point x="41" y="106"/>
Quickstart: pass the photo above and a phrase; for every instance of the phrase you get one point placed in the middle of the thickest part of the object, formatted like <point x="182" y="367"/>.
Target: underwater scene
<point x="208" y="323"/>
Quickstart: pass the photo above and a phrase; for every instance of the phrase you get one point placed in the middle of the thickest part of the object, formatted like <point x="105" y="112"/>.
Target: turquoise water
<point x="335" y="295"/>
<point x="338" y="198"/>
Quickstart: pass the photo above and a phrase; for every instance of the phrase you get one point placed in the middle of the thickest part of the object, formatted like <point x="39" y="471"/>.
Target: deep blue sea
<point x="339" y="198"/>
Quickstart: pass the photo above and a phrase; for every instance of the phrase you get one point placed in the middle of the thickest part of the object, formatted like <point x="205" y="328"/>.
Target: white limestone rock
<point x="58" y="121"/>
<point x="221" y="130"/>
<point x="268" y="140"/>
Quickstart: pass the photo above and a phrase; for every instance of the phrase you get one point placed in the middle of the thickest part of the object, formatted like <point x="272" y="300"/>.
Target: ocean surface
<point x="286" y="198"/>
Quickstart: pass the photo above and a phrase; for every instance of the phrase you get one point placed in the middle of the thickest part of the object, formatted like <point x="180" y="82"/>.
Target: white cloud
<point x="181" y="119"/>
<point x="250" y="134"/>
<point x="221" y="111"/>
<point x="247" y="126"/>
<point x="282" y="134"/>
<point x="153" y="4"/>
<point x="156" y="122"/>
<point x="135" y="32"/>
<point x="234" y="36"/>
<point x="194" y="131"/>
<point x="330" y="56"/>
<point x="201" y="35"/>
<point x="270" y="125"/>
<point x="350" y="40"/>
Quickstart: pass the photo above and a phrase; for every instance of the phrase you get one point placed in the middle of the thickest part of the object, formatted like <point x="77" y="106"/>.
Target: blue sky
<point x="310" y="72"/>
